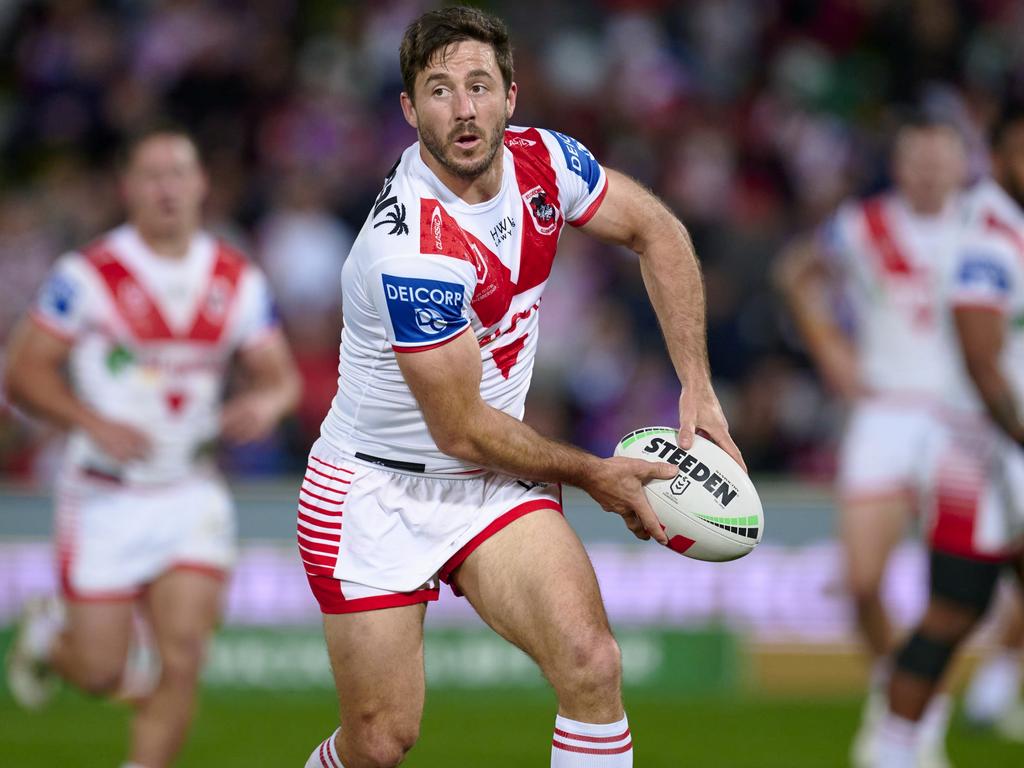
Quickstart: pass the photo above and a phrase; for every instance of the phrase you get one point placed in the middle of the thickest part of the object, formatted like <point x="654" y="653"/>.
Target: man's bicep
<point x="271" y="356"/>
<point x="624" y="213"/>
<point x="445" y="382"/>
<point x="981" y="332"/>
<point x="33" y="347"/>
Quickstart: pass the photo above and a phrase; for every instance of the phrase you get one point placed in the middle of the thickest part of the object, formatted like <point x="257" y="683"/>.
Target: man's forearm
<point x="504" y="444"/>
<point x="675" y="286"/>
<point x="999" y="399"/>
<point x="45" y="394"/>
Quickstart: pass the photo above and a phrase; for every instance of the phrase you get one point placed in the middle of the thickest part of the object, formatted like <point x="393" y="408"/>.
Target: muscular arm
<point x="34" y="379"/>
<point x="446" y="384"/>
<point x="981" y="333"/>
<point x="633" y="217"/>
<point x="801" y="278"/>
<point x="272" y="389"/>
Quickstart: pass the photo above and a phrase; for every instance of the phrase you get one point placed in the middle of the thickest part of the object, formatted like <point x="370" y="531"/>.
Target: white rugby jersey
<point x="427" y="267"/>
<point x="893" y="264"/>
<point x="988" y="272"/>
<point x="152" y="340"/>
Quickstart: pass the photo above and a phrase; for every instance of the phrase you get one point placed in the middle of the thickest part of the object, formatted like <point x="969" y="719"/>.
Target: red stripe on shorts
<point x="340" y="469"/>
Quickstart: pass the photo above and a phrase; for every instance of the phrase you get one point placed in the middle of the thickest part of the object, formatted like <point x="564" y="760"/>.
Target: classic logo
<point x="544" y="214"/>
<point x="130" y="296"/>
<point x="519" y="141"/>
<point x="435" y="228"/>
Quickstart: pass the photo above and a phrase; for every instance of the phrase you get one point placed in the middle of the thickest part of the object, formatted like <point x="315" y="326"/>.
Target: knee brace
<point x="925" y="656"/>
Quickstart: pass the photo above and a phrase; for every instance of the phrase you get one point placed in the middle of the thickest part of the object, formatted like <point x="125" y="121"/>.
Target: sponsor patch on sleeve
<point x="423" y="311"/>
<point x="980" y="273"/>
<point x="579" y="160"/>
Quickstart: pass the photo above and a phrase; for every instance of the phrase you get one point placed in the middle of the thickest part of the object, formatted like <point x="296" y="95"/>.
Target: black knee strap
<point x="924" y="656"/>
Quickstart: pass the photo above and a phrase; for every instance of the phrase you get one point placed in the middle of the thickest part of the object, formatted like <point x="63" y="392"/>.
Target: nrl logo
<point x="544" y="214"/>
<point x="679" y="484"/>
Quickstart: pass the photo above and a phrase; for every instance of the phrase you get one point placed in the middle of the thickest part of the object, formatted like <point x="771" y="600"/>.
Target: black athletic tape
<point x="924" y="656"/>
<point x="969" y="583"/>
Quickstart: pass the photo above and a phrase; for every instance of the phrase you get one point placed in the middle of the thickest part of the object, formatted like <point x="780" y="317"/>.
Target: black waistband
<point x="404" y="466"/>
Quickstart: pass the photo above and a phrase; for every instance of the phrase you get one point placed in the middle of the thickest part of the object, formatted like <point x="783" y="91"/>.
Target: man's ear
<point x="409" y="109"/>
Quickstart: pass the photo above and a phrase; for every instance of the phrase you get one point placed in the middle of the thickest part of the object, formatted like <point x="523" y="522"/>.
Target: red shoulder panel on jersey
<point x="131" y="300"/>
<point x="542" y="212"/>
<point x="880" y="233"/>
<point x="221" y="291"/>
<point x="441" y="234"/>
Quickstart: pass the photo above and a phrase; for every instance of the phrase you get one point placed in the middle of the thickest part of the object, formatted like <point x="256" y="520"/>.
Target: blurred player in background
<point x="976" y="528"/>
<point x="424" y="471"/>
<point x="147" y="319"/>
<point x="993" y="697"/>
<point x="886" y="255"/>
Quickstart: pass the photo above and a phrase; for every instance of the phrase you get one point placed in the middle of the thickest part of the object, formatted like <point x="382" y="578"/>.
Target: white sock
<point x="935" y="723"/>
<point x="897" y="743"/>
<point x="994" y="687"/>
<point x="589" y="745"/>
<point x="46" y="622"/>
<point x="879" y="676"/>
<point x="325" y="755"/>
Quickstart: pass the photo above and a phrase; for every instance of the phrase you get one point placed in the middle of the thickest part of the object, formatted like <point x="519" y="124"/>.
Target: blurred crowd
<point x="751" y="118"/>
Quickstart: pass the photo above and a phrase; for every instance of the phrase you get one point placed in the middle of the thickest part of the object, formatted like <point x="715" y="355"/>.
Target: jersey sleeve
<point x="64" y="304"/>
<point x="582" y="181"/>
<point x="423" y="301"/>
<point x="257" y="313"/>
<point x="984" y="275"/>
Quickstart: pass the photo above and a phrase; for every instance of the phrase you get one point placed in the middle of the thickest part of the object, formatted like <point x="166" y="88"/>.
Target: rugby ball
<point x="710" y="510"/>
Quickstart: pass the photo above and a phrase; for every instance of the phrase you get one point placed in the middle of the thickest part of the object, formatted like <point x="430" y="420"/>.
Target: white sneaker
<point x="30" y="678"/>
<point x="932" y="746"/>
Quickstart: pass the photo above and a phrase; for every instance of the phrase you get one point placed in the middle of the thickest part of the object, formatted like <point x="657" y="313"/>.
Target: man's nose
<point x="465" y="109"/>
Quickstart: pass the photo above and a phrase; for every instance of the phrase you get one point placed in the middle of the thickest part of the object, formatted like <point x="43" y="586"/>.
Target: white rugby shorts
<point x="882" y="449"/>
<point x="975" y="505"/>
<point x="376" y="537"/>
<point x="114" y="539"/>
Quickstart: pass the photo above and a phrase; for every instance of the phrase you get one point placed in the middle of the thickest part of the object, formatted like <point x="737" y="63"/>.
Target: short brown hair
<point x="158" y="126"/>
<point x="436" y="30"/>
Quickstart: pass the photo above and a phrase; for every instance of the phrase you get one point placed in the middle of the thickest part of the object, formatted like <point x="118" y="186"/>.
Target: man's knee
<point x="593" y="661"/>
<point x="99" y="676"/>
<point x="369" y="742"/>
<point x="182" y="660"/>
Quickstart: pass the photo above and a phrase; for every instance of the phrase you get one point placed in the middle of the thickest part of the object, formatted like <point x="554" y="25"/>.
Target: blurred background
<point x="751" y="118"/>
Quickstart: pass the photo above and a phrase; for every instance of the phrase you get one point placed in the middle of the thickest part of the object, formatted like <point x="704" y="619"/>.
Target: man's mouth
<point x="467" y="140"/>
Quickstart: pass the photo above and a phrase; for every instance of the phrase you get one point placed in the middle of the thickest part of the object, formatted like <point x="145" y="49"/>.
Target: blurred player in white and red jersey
<point x="976" y="515"/>
<point x="886" y="256"/>
<point x="147" y="319"/>
<point x="424" y="471"/>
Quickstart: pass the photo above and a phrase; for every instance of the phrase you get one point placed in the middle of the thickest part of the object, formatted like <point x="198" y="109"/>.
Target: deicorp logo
<point x="423" y="310"/>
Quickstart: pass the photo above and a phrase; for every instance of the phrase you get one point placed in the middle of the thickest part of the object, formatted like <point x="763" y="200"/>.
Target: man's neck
<point x="478" y="189"/>
<point x="174" y="246"/>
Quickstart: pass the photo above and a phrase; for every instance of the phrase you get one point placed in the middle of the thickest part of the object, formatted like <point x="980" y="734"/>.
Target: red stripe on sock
<point x="592" y="739"/>
<point x="591" y="750"/>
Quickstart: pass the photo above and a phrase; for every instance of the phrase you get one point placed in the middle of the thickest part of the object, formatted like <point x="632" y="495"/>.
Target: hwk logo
<point x="502" y="230"/>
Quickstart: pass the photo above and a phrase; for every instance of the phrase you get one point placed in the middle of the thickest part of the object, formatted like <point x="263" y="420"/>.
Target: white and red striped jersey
<point x="893" y="265"/>
<point x="427" y="267"/>
<point x="152" y="339"/>
<point x="988" y="272"/>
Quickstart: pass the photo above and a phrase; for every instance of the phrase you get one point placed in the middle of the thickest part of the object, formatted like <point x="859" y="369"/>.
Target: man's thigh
<point x="98" y="634"/>
<point x="183" y="607"/>
<point x="534" y="584"/>
<point x="377" y="662"/>
<point x="870" y="529"/>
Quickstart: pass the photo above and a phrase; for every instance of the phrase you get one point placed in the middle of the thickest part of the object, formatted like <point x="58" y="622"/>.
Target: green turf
<point x="481" y="728"/>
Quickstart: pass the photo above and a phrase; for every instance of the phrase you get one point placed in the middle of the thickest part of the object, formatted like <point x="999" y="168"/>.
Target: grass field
<point x="495" y="730"/>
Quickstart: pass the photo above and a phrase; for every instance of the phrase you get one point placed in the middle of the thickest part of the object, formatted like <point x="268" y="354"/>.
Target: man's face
<point x="460" y="108"/>
<point x="929" y="164"/>
<point x="164" y="186"/>
<point x="1008" y="161"/>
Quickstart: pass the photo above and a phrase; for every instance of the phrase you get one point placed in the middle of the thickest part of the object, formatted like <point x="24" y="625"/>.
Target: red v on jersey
<point x="142" y="316"/>
<point x="542" y="216"/>
<point x="893" y="261"/>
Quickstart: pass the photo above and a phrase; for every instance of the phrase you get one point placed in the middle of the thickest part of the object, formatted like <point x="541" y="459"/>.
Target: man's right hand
<point x="119" y="441"/>
<point x="617" y="485"/>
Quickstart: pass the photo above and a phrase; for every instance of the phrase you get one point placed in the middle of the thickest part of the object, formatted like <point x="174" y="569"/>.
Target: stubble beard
<point x="436" y="147"/>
